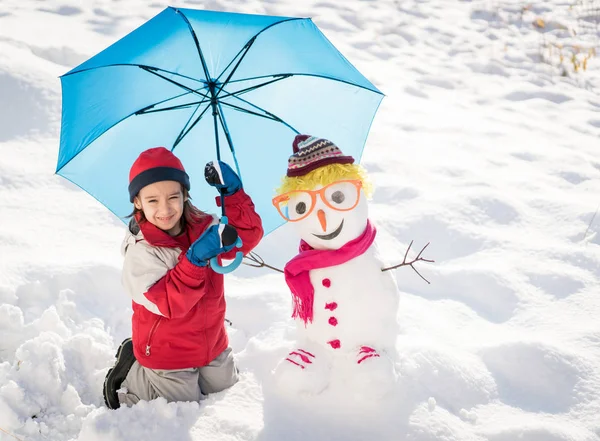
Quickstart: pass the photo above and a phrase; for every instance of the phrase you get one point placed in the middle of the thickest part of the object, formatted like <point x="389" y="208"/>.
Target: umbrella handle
<point x="239" y="256"/>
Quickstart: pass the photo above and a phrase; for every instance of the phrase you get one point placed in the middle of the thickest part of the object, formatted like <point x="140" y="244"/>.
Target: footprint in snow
<point x="534" y="376"/>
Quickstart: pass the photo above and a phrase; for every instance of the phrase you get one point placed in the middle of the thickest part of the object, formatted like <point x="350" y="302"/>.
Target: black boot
<point x="116" y="375"/>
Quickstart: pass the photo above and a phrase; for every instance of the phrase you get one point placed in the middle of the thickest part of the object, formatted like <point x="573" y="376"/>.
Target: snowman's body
<point x="355" y="305"/>
<point x="350" y="341"/>
<point x="346" y="306"/>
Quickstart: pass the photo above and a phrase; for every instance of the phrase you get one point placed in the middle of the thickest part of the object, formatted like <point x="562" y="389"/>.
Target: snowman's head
<point x="328" y="203"/>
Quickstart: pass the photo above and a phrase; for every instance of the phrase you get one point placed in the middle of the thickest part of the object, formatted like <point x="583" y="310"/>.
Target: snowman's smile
<point x="331" y="235"/>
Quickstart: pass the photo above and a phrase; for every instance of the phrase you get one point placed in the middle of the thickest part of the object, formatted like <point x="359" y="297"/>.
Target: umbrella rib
<point x="251" y="41"/>
<point x="268" y="115"/>
<point x="241" y="109"/>
<point x="141" y="66"/>
<point x="189" y="89"/>
<point x="196" y="42"/>
<point x="271" y="114"/>
<point x="149" y="109"/>
<point x="177" y="140"/>
<point x="184" y="132"/>
<point x="287" y="75"/>
<point x="251" y="88"/>
<point x="221" y="116"/>
<point x="143" y="109"/>
<point x="245" y="49"/>
<point x="225" y="128"/>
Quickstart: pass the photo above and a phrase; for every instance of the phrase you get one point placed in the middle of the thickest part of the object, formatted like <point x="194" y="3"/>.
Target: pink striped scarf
<point x="296" y="270"/>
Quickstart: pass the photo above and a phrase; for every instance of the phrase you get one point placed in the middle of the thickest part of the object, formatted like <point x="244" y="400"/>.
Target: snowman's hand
<point x="300" y="358"/>
<point x="366" y="352"/>
<point x="412" y="262"/>
<point x="253" y="259"/>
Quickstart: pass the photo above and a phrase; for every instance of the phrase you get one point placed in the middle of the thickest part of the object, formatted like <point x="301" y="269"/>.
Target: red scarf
<point x="160" y="238"/>
<point x="296" y="270"/>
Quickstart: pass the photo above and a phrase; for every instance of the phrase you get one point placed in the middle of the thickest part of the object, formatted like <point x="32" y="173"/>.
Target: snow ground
<point x="479" y="147"/>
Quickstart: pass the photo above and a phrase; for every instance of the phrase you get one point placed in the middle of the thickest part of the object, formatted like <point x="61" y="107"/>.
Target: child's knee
<point x="220" y="374"/>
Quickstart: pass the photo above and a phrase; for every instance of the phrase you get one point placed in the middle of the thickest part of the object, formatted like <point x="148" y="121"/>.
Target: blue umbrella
<point x="210" y="85"/>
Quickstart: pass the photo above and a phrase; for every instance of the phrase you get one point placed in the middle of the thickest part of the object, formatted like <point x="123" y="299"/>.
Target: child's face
<point x="162" y="204"/>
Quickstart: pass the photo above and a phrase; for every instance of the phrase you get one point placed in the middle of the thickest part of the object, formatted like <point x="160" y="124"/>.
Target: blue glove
<point x="214" y="241"/>
<point x="221" y="176"/>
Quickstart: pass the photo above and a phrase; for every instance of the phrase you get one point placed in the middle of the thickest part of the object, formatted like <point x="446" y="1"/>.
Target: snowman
<point x="344" y="304"/>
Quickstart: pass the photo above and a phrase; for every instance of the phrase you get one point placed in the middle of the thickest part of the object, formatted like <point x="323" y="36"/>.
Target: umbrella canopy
<point x="209" y="85"/>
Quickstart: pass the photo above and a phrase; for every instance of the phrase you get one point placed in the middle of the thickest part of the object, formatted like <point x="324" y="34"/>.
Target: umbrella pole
<point x="239" y="255"/>
<point x="215" y="113"/>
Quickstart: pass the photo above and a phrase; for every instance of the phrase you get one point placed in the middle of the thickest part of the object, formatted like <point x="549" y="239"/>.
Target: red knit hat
<point x="154" y="165"/>
<point x="311" y="153"/>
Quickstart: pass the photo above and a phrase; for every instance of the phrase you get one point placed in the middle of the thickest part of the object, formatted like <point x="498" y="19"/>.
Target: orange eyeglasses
<point x="296" y="205"/>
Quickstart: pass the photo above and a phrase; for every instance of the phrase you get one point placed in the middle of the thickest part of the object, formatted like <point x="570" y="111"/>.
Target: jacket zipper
<point x="152" y="331"/>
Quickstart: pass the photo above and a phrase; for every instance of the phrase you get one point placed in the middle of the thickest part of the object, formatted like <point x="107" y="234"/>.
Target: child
<point x="179" y="346"/>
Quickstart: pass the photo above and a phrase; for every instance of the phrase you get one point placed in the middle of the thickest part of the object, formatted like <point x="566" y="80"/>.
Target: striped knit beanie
<point x="311" y="153"/>
<point x="154" y="165"/>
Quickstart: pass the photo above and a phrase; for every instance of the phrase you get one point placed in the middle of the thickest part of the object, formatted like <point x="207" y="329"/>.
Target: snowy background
<point x="486" y="145"/>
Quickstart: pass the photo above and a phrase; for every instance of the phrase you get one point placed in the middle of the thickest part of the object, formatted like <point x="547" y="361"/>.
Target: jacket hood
<point x="133" y="235"/>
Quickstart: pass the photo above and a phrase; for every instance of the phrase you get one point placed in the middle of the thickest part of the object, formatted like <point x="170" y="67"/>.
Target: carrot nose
<point x="321" y="216"/>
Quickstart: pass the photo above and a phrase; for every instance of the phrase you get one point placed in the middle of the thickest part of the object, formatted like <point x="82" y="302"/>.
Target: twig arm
<point x="254" y="260"/>
<point x="412" y="262"/>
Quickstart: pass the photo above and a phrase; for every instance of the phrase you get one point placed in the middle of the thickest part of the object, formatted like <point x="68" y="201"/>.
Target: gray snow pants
<point x="191" y="384"/>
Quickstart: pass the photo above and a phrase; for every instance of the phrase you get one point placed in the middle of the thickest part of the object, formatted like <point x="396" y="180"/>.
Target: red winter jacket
<point x="178" y="307"/>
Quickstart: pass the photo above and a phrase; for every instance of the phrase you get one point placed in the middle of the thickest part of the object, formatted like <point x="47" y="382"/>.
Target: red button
<point x="333" y="321"/>
<point x="331" y="306"/>
<point x="335" y="344"/>
<point x="326" y="283"/>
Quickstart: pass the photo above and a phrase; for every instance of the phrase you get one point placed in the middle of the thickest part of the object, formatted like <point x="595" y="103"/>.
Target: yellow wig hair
<point x="326" y="175"/>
